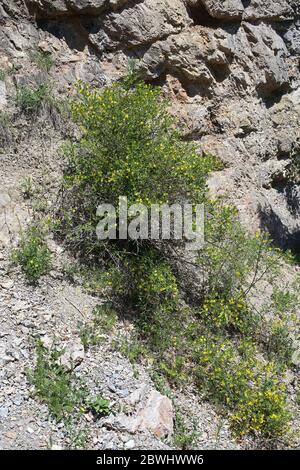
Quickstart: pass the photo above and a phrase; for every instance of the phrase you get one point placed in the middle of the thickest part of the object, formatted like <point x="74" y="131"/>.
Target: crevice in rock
<point x="201" y="17"/>
<point x="270" y="98"/>
<point x="246" y="3"/>
<point x="219" y="71"/>
<point x="68" y="29"/>
<point x="90" y="24"/>
<point x="291" y="192"/>
<point x="192" y="89"/>
<point x="281" y="235"/>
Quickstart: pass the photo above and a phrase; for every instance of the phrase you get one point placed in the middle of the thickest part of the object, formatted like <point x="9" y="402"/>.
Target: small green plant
<point x="78" y="438"/>
<point x="89" y="337"/>
<point x="6" y="129"/>
<point x="104" y="321"/>
<point x="183" y="438"/>
<point x="279" y="344"/>
<point x="99" y="406"/>
<point x="161" y="383"/>
<point x="27" y="187"/>
<point x="133" y="349"/>
<point x="279" y="333"/>
<point x="43" y="60"/>
<point x="54" y="385"/>
<point x="33" y="255"/>
<point x="105" y="317"/>
<point x="39" y="202"/>
<point x="8" y="72"/>
<point x="30" y="100"/>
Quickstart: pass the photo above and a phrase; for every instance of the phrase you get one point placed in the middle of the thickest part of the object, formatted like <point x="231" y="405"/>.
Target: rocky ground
<point x="231" y="70"/>
<point x="142" y="417"/>
<point x="25" y="423"/>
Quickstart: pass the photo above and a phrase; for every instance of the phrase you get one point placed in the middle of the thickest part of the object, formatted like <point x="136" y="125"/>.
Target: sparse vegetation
<point x="280" y="333"/>
<point x="30" y="100"/>
<point x="32" y="254"/>
<point x="39" y="100"/>
<point x="99" y="406"/>
<point x="54" y="385"/>
<point x="183" y="438"/>
<point x="6" y="129"/>
<point x="27" y="187"/>
<point x="8" y="72"/>
<point x="78" y="438"/>
<point x="43" y="60"/>
<point x="65" y="396"/>
<point x="103" y="322"/>
<point x="133" y="348"/>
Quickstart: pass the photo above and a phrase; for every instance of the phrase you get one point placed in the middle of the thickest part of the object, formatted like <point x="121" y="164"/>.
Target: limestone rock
<point x="144" y="23"/>
<point x="56" y="8"/>
<point x="268" y="9"/>
<point x="235" y="10"/>
<point x="47" y="341"/>
<point x="87" y="6"/>
<point x="7" y="283"/>
<point x="47" y="7"/>
<point x="65" y="8"/>
<point x="186" y="54"/>
<point x="292" y="38"/>
<point x="157" y="416"/>
<point x="222" y="9"/>
<point x="73" y="354"/>
<point x="263" y="51"/>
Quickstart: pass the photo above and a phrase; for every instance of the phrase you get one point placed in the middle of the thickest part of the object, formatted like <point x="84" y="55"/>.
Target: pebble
<point x="129" y="444"/>
<point x="11" y="435"/>
<point x="7" y="284"/>
<point x="3" y="412"/>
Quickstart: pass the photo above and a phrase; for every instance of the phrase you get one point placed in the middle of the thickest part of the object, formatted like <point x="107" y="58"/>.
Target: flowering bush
<point x="193" y="316"/>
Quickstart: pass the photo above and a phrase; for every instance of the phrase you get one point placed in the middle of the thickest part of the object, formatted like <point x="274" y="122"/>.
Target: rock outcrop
<point x="231" y="69"/>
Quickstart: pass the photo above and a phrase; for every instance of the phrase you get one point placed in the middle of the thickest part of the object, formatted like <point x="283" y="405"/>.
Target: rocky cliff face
<point x="231" y="71"/>
<point x="230" y="67"/>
